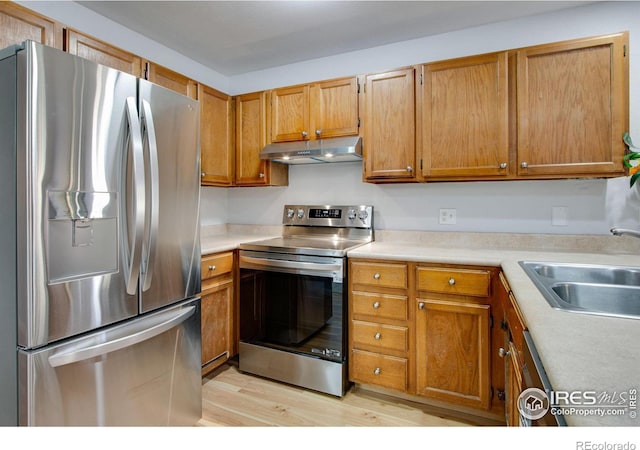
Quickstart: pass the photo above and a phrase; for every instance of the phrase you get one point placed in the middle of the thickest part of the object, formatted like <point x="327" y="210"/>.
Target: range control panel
<point x="349" y="216"/>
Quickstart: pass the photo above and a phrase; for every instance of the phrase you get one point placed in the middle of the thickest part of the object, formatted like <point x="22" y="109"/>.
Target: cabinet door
<point x="452" y="346"/>
<point x="465" y="117"/>
<point x="334" y="108"/>
<point x="389" y="143"/>
<point x="513" y="386"/>
<point x="171" y="80"/>
<point x="216" y="137"/>
<point x="250" y="139"/>
<point x="290" y="114"/>
<point x="89" y="48"/>
<point x="216" y="324"/>
<point x="18" y="24"/>
<point x="572" y="107"/>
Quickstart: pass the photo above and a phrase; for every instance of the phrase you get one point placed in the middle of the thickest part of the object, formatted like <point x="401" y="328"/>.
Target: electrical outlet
<point x="447" y="216"/>
<point x="559" y="216"/>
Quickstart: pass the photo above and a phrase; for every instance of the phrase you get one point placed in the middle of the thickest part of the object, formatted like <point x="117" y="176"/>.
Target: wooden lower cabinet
<point x="425" y="332"/>
<point x="452" y="352"/>
<point x="217" y="310"/>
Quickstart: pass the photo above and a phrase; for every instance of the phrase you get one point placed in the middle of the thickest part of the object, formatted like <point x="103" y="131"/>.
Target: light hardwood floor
<point x="232" y="398"/>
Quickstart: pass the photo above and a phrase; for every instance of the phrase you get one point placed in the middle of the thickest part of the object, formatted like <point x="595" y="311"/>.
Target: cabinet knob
<point x="212" y="268"/>
<point x="524" y="164"/>
<point x="261" y="175"/>
<point x="377" y="336"/>
<point x="409" y="169"/>
<point x="452" y="281"/>
<point x="304" y="134"/>
<point x="376" y="305"/>
<point x="318" y="133"/>
<point x="376" y="371"/>
<point x="202" y="174"/>
<point x="376" y="276"/>
<point x="421" y="305"/>
<point x="503" y="165"/>
<point x="502" y="352"/>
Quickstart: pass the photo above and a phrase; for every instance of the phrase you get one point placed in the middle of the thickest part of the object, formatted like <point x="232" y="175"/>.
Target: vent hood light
<point x="332" y="150"/>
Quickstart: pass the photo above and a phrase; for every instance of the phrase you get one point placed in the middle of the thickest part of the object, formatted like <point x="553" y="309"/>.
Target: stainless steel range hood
<point x="332" y="150"/>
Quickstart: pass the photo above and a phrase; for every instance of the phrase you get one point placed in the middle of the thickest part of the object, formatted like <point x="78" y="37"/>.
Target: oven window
<point x="293" y="312"/>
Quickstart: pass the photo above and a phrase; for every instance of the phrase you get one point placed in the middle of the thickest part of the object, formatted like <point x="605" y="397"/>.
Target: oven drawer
<point x="380" y="306"/>
<point x="380" y="337"/>
<point x="454" y="281"/>
<point x="380" y="370"/>
<point x="383" y="275"/>
<point x="216" y="264"/>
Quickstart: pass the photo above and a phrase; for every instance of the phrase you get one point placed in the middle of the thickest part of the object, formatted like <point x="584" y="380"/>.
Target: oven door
<point x="293" y="303"/>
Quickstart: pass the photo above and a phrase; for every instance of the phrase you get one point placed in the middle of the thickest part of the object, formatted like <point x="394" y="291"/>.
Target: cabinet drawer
<point x="382" y="306"/>
<point x="214" y="265"/>
<point x="381" y="370"/>
<point x="454" y="281"/>
<point x="387" y="275"/>
<point x="379" y="336"/>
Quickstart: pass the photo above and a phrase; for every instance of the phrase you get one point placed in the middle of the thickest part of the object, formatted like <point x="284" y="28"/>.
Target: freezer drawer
<point x="144" y="372"/>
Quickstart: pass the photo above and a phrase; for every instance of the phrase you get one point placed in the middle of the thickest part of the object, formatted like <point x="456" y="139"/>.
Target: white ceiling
<point x="234" y="37"/>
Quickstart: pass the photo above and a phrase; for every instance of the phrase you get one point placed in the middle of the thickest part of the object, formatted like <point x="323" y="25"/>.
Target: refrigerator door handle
<point x="138" y="211"/>
<point x="139" y="334"/>
<point x="152" y="218"/>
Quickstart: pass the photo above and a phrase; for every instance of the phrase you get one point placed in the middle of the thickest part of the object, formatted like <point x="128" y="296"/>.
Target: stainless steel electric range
<point x="293" y="296"/>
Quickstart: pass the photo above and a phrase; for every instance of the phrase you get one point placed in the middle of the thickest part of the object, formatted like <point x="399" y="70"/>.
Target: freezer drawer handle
<point x="64" y="358"/>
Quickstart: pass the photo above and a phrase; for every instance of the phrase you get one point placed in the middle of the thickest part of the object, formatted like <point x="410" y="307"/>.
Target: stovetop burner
<point x="324" y="230"/>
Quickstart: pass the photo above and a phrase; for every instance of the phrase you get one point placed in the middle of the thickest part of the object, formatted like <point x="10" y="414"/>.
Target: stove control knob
<point x="363" y="215"/>
<point x="290" y="213"/>
<point x="351" y="214"/>
<point x="300" y="213"/>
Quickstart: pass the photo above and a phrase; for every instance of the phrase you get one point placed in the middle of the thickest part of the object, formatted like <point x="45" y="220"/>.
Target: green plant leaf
<point x="634" y="178"/>
<point x="627" y="140"/>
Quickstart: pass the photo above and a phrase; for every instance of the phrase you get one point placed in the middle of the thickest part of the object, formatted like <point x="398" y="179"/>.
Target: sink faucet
<point x="624" y="231"/>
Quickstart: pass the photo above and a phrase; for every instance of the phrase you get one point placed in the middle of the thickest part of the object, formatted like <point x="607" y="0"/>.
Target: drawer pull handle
<point x="212" y="268"/>
<point x="421" y="305"/>
<point x="377" y="336"/>
<point x="503" y="353"/>
<point x="452" y="281"/>
<point x="376" y="371"/>
<point x="376" y="305"/>
<point x="376" y="276"/>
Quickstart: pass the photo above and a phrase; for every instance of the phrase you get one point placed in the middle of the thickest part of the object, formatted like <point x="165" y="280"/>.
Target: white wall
<point x="514" y="206"/>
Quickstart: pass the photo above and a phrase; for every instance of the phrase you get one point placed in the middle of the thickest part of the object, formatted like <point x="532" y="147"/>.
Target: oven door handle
<point x="267" y="263"/>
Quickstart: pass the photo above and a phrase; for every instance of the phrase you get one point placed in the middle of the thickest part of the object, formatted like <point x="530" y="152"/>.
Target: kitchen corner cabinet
<point x="464" y="117"/>
<point x="217" y="310"/>
<point x="216" y="137"/>
<point x="251" y="121"/>
<point x="313" y="111"/>
<point x="389" y="127"/>
<point x="572" y="107"/>
<point x="171" y="80"/>
<point x="18" y="24"/>
<point x="453" y="335"/>
<point x="511" y="351"/>
<point x="379" y="331"/>
<point x="95" y="50"/>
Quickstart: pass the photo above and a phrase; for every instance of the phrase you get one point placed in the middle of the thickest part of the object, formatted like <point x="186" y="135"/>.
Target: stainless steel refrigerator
<point x="99" y="245"/>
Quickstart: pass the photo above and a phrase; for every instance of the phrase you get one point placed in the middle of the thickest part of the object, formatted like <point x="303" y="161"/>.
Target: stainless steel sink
<point x="590" y="289"/>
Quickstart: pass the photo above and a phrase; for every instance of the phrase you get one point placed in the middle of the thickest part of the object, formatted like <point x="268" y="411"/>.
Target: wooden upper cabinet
<point x="171" y="80"/>
<point x="216" y="137"/>
<point x="465" y="117"/>
<point x="250" y="140"/>
<point x="314" y="111"/>
<point x="334" y="108"/>
<point x="290" y="114"/>
<point x="90" y="48"/>
<point x="573" y="107"/>
<point x="389" y="142"/>
<point x="18" y="24"/>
